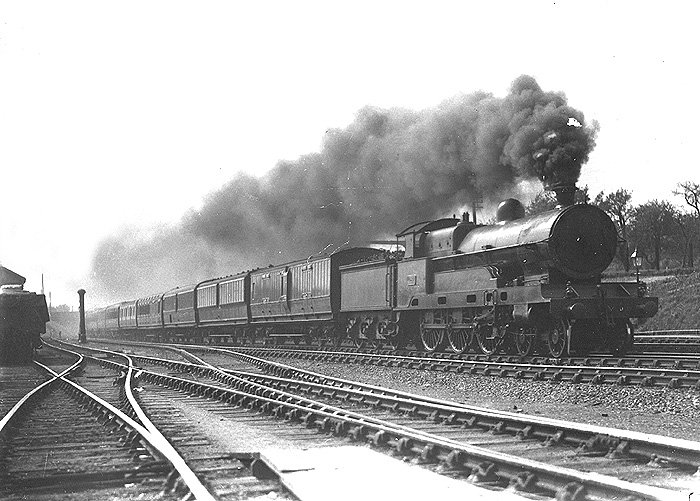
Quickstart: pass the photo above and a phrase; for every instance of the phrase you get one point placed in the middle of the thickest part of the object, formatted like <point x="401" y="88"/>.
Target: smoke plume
<point x="386" y="170"/>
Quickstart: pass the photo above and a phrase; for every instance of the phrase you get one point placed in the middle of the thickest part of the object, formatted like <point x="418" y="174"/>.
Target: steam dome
<point x="509" y="209"/>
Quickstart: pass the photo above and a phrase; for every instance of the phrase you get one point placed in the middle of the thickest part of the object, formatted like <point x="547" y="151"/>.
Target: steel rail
<point x="476" y="362"/>
<point x="509" y="469"/>
<point x="154" y="440"/>
<point x="670" y="332"/>
<point x="249" y="388"/>
<point x="589" y="437"/>
<point x="653" y="447"/>
<point x="621" y="375"/>
<point x="513" y="470"/>
<point x="39" y="389"/>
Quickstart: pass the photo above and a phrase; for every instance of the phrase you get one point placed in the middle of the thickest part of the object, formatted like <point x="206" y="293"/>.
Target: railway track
<point x="686" y="341"/>
<point x="16" y="382"/>
<point x="508" y="449"/>
<point x="226" y="475"/>
<point x="665" y="348"/>
<point x="60" y="439"/>
<point x="641" y="370"/>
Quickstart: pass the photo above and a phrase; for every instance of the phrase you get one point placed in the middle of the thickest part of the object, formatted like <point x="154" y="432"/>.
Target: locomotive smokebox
<point x="565" y="193"/>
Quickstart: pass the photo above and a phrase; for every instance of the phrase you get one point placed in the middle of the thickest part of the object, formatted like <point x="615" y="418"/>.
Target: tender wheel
<point x="392" y="337"/>
<point x="488" y="339"/>
<point x="369" y="341"/>
<point x="432" y="339"/>
<point x="525" y="341"/>
<point x="556" y="339"/>
<point x="460" y="340"/>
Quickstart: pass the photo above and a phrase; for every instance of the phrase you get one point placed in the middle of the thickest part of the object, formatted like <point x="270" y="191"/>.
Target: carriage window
<point x="206" y="296"/>
<point x="185" y="300"/>
<point x="232" y="292"/>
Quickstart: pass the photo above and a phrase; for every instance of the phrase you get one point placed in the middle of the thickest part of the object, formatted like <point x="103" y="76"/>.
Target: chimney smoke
<point x="387" y="169"/>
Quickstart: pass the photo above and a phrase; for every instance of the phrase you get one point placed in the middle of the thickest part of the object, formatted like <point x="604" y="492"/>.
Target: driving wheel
<point x="460" y="340"/>
<point x="432" y="339"/>
<point x="488" y="339"/>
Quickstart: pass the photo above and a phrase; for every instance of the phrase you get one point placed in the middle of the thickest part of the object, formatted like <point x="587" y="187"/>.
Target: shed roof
<point x="9" y="277"/>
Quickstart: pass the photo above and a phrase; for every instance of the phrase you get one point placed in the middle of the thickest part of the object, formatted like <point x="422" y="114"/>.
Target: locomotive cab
<point x="435" y="238"/>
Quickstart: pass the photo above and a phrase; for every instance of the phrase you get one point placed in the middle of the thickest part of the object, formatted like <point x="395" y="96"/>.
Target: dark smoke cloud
<point x="386" y="170"/>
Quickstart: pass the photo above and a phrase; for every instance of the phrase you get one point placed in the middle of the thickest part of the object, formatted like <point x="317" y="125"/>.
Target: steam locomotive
<point x="517" y="286"/>
<point x="23" y="317"/>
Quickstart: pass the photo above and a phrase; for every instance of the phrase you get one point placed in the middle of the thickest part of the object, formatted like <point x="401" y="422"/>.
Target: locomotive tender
<point x="520" y="285"/>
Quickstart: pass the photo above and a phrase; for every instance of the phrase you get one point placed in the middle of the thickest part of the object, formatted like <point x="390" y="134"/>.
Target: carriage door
<point x="306" y="288"/>
<point x="284" y="291"/>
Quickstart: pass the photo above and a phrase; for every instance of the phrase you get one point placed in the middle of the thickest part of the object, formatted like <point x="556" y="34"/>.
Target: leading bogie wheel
<point x="622" y="338"/>
<point x="525" y="340"/>
<point x="557" y="338"/>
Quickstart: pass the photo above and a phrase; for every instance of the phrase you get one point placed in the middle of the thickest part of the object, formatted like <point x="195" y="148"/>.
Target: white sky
<point x="127" y="113"/>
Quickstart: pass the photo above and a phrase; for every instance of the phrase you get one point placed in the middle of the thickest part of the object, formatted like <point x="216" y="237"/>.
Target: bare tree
<point x="686" y="223"/>
<point x="690" y="224"/>
<point x="691" y="192"/>
<point x="652" y="229"/>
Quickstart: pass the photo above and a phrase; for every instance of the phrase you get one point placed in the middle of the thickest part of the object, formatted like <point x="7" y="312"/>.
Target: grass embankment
<point x="679" y="302"/>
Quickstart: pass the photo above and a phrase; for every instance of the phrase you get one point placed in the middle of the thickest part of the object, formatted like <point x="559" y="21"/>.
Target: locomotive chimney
<point x="565" y="193"/>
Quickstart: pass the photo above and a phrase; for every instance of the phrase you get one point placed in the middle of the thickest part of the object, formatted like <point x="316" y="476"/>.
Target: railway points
<point x="348" y="429"/>
<point x="43" y="431"/>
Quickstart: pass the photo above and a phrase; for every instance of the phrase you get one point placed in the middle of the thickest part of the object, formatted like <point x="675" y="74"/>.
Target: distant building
<point x="9" y="277"/>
